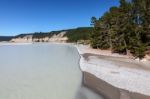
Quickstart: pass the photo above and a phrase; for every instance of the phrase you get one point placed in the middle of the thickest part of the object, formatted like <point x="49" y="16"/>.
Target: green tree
<point x="123" y="28"/>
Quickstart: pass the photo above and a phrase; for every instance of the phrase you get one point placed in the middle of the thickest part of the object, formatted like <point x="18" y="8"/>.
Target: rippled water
<point x="41" y="71"/>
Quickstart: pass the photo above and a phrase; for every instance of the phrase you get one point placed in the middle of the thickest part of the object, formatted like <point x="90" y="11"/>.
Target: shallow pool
<point x="41" y="71"/>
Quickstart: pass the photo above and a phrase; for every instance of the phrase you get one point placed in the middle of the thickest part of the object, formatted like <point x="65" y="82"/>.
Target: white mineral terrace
<point x="117" y="70"/>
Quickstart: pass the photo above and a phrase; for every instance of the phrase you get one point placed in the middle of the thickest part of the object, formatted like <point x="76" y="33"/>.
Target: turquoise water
<point x="41" y="71"/>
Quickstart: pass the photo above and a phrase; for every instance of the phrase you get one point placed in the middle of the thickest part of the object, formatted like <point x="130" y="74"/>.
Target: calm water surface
<point x="41" y="71"/>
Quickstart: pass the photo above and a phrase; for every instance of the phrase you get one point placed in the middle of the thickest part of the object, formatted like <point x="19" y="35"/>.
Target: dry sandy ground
<point x="87" y="49"/>
<point x="117" y="70"/>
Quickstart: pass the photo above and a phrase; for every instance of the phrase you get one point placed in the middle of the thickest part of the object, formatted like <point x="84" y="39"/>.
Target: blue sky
<point x="25" y="16"/>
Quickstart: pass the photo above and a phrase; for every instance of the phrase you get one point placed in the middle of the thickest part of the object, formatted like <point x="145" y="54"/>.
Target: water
<point x="41" y="71"/>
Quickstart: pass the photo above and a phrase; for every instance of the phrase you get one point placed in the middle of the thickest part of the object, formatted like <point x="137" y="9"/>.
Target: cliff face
<point x="59" y="37"/>
<point x="27" y="38"/>
<point x="147" y="56"/>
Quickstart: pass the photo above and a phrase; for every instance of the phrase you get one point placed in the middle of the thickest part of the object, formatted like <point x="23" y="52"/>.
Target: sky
<point x="28" y="16"/>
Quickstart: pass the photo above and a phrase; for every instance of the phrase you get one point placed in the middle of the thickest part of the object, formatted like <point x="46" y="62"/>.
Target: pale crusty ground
<point x="118" y="70"/>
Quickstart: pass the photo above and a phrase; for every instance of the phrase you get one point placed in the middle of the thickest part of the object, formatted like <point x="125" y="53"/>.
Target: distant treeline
<point x="124" y="29"/>
<point x="73" y="35"/>
<point x="5" y="38"/>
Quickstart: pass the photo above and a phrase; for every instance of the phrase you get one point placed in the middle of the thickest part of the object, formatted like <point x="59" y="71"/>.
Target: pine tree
<point x="124" y="28"/>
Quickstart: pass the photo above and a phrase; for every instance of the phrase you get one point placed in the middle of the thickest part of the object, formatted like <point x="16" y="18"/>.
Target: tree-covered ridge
<point x="22" y="35"/>
<point x="73" y="35"/>
<point x="124" y="28"/>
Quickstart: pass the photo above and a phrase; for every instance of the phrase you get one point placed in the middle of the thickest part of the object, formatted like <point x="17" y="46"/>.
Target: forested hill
<point x="124" y="29"/>
<point x="73" y="35"/>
